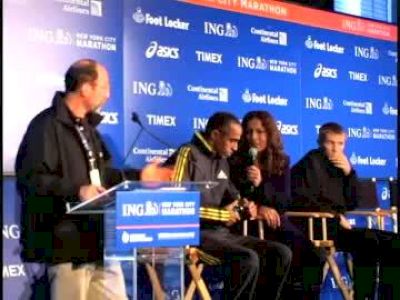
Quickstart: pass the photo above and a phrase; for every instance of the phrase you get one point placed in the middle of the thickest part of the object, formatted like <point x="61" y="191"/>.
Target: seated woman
<point x="260" y="170"/>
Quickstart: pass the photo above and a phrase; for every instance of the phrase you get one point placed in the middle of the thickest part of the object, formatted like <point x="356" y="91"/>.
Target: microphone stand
<point x="135" y="118"/>
<point x="154" y="136"/>
<point x="123" y="175"/>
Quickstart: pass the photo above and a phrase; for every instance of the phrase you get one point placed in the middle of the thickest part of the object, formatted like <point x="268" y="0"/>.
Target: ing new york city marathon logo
<point x="223" y="30"/>
<point x="253" y="63"/>
<point x="161" y="88"/>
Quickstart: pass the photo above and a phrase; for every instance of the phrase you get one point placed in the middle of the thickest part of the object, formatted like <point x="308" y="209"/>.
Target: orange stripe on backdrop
<point x="305" y="16"/>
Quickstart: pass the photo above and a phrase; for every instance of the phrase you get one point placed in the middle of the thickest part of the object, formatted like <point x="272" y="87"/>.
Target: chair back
<point x="374" y="209"/>
<point x="394" y="192"/>
<point x="367" y="194"/>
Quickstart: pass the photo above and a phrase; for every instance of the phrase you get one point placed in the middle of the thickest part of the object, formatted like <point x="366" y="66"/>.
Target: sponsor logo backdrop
<point x="183" y="62"/>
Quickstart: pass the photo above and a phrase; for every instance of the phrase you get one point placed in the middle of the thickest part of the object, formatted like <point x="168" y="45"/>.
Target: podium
<point x="147" y="226"/>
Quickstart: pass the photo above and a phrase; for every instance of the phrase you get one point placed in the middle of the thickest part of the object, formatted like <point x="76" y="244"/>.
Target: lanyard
<point x="94" y="173"/>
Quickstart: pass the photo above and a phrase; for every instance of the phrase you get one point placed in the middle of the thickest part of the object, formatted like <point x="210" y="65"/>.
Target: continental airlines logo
<point x="150" y="153"/>
<point x="389" y="110"/>
<point x="356" y="159"/>
<point x="217" y="94"/>
<point x="287" y="129"/>
<point x="161" y="51"/>
<point x="325" y="72"/>
<point x="258" y="98"/>
<point x="163" y="21"/>
<point x="209" y="57"/>
<point x="366" y="52"/>
<point x="319" y="103"/>
<point x="314" y="44"/>
<point x="83" y="7"/>
<point x="271" y="37"/>
<point x="253" y="63"/>
<point x="359" y="107"/>
<point x="160" y="89"/>
<point x="224" y="30"/>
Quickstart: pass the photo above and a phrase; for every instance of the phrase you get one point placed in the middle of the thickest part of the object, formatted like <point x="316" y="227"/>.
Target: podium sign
<point x="141" y="217"/>
<point x="156" y="218"/>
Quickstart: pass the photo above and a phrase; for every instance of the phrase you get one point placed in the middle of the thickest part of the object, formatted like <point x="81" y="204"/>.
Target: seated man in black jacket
<point x="324" y="180"/>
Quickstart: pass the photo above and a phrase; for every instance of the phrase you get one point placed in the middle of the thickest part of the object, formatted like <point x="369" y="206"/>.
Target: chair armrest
<point x="195" y="255"/>
<point x="368" y="213"/>
<point x="309" y="214"/>
<point x="379" y="213"/>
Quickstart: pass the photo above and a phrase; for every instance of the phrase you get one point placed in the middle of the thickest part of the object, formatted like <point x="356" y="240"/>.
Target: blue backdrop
<point x="176" y="76"/>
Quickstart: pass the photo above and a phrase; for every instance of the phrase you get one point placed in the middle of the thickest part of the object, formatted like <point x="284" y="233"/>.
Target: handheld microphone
<point x="241" y="208"/>
<point x="253" y="152"/>
<point x="135" y="118"/>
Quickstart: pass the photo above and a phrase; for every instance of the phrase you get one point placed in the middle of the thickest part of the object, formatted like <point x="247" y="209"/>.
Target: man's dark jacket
<point x="51" y="166"/>
<point x="318" y="185"/>
<point x="201" y="163"/>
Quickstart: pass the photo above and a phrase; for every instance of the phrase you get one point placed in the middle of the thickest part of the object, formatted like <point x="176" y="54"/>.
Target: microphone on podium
<point x="135" y="118"/>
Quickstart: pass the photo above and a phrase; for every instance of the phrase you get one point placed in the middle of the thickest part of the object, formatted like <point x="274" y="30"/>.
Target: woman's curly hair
<point x="273" y="159"/>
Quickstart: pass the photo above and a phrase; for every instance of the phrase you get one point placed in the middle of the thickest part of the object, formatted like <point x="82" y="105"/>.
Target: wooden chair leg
<point x="155" y="282"/>
<point x="347" y="294"/>
<point x="325" y="270"/>
<point x="192" y="286"/>
<point x="350" y="265"/>
<point x="197" y="282"/>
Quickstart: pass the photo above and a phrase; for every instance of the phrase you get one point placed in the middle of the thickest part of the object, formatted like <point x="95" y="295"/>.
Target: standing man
<point x="324" y="180"/>
<point x="257" y="268"/>
<point x="63" y="159"/>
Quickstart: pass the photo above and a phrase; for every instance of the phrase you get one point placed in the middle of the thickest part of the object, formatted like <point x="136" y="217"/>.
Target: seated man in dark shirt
<point x="324" y="180"/>
<point x="256" y="269"/>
